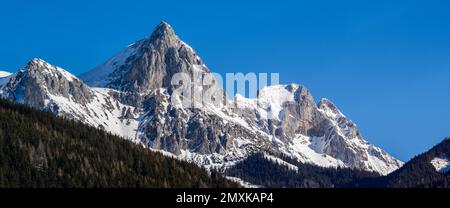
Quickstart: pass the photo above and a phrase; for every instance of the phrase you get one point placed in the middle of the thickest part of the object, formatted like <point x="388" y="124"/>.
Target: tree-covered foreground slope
<point x="289" y="173"/>
<point x="38" y="149"/>
<point x="427" y="170"/>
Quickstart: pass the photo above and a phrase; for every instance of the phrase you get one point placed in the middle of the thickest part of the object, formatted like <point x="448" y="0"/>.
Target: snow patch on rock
<point x="441" y="164"/>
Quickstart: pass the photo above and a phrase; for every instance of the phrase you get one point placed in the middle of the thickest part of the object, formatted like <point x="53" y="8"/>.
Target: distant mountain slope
<point x="422" y="171"/>
<point x="4" y="79"/>
<point x="4" y="74"/>
<point x="428" y="170"/>
<point x="38" y="149"/>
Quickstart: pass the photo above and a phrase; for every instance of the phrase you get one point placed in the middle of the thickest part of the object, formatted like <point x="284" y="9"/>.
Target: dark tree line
<point x="258" y="170"/>
<point x="417" y="173"/>
<point x="38" y="149"/>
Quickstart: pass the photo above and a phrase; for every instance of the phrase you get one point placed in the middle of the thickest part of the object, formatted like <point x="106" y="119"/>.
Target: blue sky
<point x="385" y="64"/>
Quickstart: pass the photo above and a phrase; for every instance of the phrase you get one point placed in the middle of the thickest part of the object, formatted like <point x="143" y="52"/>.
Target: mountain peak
<point x="148" y="64"/>
<point x="39" y="82"/>
<point x="164" y="24"/>
<point x="36" y="61"/>
<point x="40" y="64"/>
<point x="163" y="30"/>
<point x="36" y="64"/>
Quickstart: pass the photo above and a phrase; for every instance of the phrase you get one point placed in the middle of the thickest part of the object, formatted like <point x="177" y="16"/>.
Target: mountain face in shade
<point x="130" y="95"/>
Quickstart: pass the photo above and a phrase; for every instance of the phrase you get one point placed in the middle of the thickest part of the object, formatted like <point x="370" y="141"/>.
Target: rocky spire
<point x="162" y="31"/>
<point x="152" y="62"/>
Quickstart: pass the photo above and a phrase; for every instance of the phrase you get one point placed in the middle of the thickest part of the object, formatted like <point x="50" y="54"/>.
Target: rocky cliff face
<point x="313" y="133"/>
<point x="131" y="95"/>
<point x="147" y="65"/>
<point x="156" y="60"/>
<point x="33" y="84"/>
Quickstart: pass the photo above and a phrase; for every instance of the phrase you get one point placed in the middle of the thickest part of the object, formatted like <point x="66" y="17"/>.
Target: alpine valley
<point x="130" y="96"/>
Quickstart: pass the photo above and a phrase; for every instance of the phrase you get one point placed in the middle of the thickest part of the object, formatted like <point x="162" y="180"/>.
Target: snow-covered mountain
<point x="4" y="74"/>
<point x="4" y="78"/>
<point x="130" y="95"/>
<point x="47" y="87"/>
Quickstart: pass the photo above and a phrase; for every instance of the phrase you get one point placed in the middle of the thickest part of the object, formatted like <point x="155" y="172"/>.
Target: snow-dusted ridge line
<point x="95" y="114"/>
<point x="52" y="70"/>
<point x="98" y="77"/>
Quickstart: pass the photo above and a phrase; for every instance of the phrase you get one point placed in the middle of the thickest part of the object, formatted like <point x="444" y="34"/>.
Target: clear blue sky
<point x="386" y="65"/>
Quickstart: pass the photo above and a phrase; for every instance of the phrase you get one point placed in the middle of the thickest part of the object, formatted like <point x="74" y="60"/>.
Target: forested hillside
<point x="257" y="169"/>
<point x="38" y="149"/>
<point x="418" y="172"/>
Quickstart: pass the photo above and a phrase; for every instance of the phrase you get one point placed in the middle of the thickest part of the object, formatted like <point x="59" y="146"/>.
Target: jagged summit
<point x="39" y="62"/>
<point x="36" y="60"/>
<point x="37" y="66"/>
<point x="163" y="36"/>
<point x="38" y="81"/>
<point x="162" y="30"/>
<point x="148" y="64"/>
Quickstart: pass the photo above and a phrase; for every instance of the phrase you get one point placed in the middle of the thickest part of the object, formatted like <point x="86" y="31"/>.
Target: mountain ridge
<point x="131" y="97"/>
